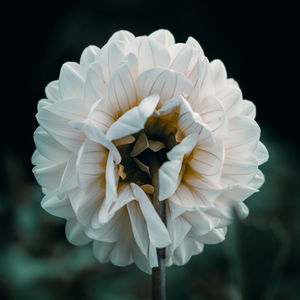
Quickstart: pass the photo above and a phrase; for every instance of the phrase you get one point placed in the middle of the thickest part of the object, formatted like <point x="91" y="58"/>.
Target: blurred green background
<point x="260" y="258"/>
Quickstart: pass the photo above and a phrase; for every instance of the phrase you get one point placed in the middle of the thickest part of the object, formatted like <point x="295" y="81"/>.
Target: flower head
<point x="106" y="118"/>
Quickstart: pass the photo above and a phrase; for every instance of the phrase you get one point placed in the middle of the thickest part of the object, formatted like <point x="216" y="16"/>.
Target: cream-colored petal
<point x="95" y="86"/>
<point x="239" y="171"/>
<point x="150" y="53"/>
<point x="52" y="91"/>
<point x="178" y="229"/>
<point x="122" y="35"/>
<point x="158" y="233"/>
<point x="71" y="81"/>
<point x="94" y="133"/>
<point x="110" y="56"/>
<point x="243" y="138"/>
<point x="102" y="251"/>
<point x="261" y="153"/>
<point x="163" y="36"/>
<point x="231" y="98"/>
<point x="49" y="147"/>
<point x="186" y="250"/>
<point x="168" y="84"/>
<point x="218" y="73"/>
<point x="88" y="56"/>
<point x="90" y="164"/>
<point x="49" y="176"/>
<point x="133" y="120"/>
<point x="208" y="161"/>
<point x="121" y="94"/>
<point x="248" y="109"/>
<point x="60" y="130"/>
<point x="68" y="180"/>
<point x="213" y="237"/>
<point x="71" y="109"/>
<point x="139" y="226"/>
<point x="59" y="207"/>
<point x="75" y="233"/>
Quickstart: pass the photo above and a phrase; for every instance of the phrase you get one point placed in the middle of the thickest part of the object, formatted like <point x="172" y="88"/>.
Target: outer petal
<point x="71" y="81"/>
<point x="59" y="207"/>
<point x="75" y="233"/>
<point x="150" y="53"/>
<point x="133" y="120"/>
<point x="163" y="36"/>
<point x="164" y="82"/>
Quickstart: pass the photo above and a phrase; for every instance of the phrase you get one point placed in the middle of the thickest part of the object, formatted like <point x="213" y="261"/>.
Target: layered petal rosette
<point x="103" y="121"/>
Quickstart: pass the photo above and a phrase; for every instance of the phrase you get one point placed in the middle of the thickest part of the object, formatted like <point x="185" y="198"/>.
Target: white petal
<point x="110" y="56"/>
<point x="158" y="233"/>
<point x="95" y="134"/>
<point x="184" y="58"/>
<point x="59" y="207"/>
<point x="71" y="109"/>
<point x="168" y="84"/>
<point x="49" y="147"/>
<point x="248" y="109"/>
<point x="243" y="138"/>
<point x="95" y="86"/>
<point x="102" y="250"/>
<point x="258" y="180"/>
<point x="133" y="120"/>
<point x="91" y="156"/>
<point x="71" y="81"/>
<point x="213" y="114"/>
<point x="213" y="237"/>
<point x="139" y="227"/>
<point x="150" y="53"/>
<point x="75" y="233"/>
<point x="201" y="223"/>
<point x="52" y="91"/>
<point x="178" y="229"/>
<point x="163" y="36"/>
<point x="186" y="250"/>
<point x="261" y="153"/>
<point x="231" y="98"/>
<point x="169" y="178"/>
<point x="68" y="180"/>
<point x="239" y="171"/>
<point x="121" y="94"/>
<point x="218" y="73"/>
<point x="88" y="56"/>
<point x="60" y="130"/>
<point x="122" y="35"/>
<point x="49" y="176"/>
<point x="208" y="160"/>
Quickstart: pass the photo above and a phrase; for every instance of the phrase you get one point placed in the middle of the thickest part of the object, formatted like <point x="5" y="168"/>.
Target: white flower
<point x="104" y="118"/>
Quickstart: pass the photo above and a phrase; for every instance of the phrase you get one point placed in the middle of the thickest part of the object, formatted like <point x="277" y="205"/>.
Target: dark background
<point x="260" y="259"/>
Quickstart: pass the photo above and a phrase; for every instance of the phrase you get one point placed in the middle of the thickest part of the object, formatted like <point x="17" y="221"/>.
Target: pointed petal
<point x="75" y="233"/>
<point x="158" y="233"/>
<point x="133" y="120"/>
<point x="59" y="207"/>
<point x="71" y="81"/>
<point x="163" y="36"/>
<point x="168" y="84"/>
<point x="52" y="91"/>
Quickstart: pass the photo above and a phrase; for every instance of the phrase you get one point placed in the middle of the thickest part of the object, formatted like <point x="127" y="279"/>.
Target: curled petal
<point x="163" y="36"/>
<point x="168" y="84"/>
<point x="88" y="56"/>
<point x="59" y="207"/>
<point x="71" y="81"/>
<point x="75" y="233"/>
<point x="133" y="120"/>
<point x="150" y="53"/>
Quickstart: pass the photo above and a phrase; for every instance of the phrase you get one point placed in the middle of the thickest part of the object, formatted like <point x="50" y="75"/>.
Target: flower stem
<point x="158" y="273"/>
